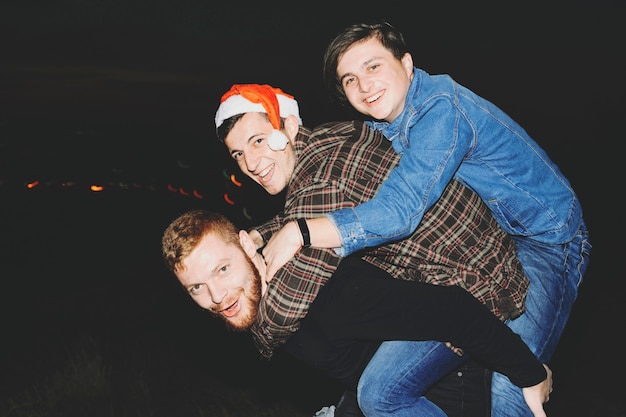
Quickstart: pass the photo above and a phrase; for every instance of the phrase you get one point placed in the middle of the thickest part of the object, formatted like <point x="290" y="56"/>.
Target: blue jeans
<point x="397" y="376"/>
<point x="548" y="306"/>
<point x="464" y="392"/>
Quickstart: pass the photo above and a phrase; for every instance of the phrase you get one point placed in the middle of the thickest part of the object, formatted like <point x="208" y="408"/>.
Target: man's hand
<point x="539" y="394"/>
<point x="256" y="237"/>
<point x="281" y="247"/>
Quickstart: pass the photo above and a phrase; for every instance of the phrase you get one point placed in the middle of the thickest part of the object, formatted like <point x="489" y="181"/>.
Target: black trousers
<point x="465" y="392"/>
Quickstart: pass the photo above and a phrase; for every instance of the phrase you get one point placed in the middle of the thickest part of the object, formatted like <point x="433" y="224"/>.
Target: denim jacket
<point x="446" y="131"/>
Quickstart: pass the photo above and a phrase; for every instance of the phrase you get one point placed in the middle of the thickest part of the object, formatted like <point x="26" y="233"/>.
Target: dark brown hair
<point x="388" y="36"/>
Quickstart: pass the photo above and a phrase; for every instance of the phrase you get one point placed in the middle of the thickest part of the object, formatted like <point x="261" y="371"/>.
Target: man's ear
<point x="291" y="127"/>
<point x="407" y="63"/>
<point x="247" y="244"/>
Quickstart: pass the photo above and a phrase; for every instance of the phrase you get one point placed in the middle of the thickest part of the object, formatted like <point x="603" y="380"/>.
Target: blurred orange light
<point x="234" y="180"/>
<point x="96" y="188"/>
<point x="228" y="200"/>
<point x="32" y="184"/>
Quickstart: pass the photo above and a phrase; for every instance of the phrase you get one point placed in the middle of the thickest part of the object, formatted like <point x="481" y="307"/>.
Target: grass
<point x="86" y="384"/>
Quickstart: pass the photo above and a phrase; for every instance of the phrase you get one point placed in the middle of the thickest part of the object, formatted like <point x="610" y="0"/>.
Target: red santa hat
<point x="244" y="98"/>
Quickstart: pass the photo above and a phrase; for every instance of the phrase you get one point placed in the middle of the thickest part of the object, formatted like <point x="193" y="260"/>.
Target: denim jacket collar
<point x="392" y="130"/>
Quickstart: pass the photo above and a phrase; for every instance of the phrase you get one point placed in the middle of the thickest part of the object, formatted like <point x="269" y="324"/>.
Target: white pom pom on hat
<point x="277" y="140"/>
<point x="261" y="98"/>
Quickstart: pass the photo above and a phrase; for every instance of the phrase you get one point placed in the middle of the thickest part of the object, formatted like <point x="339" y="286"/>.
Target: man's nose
<point x="252" y="158"/>
<point x="365" y="84"/>
<point x="216" y="292"/>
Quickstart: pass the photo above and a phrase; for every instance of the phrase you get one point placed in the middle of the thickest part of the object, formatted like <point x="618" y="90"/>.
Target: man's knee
<point x="369" y="398"/>
<point x="507" y="399"/>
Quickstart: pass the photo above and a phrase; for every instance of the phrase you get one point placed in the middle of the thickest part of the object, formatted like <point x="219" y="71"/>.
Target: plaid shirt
<point x="457" y="243"/>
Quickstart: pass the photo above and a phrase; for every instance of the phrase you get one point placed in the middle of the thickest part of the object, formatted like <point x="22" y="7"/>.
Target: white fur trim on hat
<point x="237" y="104"/>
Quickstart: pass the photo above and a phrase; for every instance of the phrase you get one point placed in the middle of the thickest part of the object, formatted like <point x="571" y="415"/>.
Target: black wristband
<point x="304" y="231"/>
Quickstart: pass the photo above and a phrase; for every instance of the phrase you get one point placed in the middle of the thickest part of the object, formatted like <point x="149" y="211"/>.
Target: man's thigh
<point x="401" y="372"/>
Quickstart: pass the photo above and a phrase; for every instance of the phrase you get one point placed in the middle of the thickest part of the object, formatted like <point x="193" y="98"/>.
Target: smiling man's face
<point x="247" y="143"/>
<point x="222" y="279"/>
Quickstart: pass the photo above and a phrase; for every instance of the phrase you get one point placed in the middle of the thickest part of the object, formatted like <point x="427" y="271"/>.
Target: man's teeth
<point x="374" y="98"/>
<point x="266" y="171"/>
<point x="230" y="307"/>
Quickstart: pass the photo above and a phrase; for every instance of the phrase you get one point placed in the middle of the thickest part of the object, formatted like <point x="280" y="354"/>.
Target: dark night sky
<point x="170" y="60"/>
<point x="164" y="64"/>
<point x="138" y="82"/>
<point x="148" y="74"/>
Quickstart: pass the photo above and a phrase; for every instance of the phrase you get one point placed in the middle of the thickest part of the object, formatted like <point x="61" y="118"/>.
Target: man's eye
<point x="196" y="289"/>
<point x="237" y="155"/>
<point x="259" y="141"/>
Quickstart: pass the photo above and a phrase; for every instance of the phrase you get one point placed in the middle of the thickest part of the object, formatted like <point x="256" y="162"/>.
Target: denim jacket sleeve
<point x="433" y="142"/>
